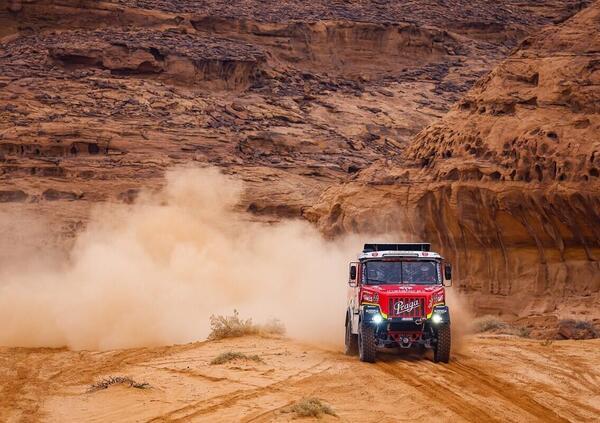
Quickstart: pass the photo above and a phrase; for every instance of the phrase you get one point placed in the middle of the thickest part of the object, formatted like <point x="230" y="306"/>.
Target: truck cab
<point x="397" y="298"/>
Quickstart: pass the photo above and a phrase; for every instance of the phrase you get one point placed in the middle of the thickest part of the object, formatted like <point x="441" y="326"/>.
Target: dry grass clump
<point x="230" y="326"/>
<point x="494" y="324"/>
<point x="228" y="356"/>
<point x="117" y="380"/>
<point x="311" y="407"/>
<point x="272" y="327"/>
<point x="524" y="332"/>
<point x="577" y="329"/>
<point x="487" y="324"/>
<point x="234" y="326"/>
<point x="586" y="325"/>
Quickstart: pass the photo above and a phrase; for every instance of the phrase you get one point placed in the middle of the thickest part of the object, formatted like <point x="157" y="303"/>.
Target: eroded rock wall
<point x="322" y="100"/>
<point x="507" y="183"/>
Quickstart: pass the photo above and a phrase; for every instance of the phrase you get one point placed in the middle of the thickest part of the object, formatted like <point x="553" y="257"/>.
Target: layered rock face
<point x="98" y="99"/>
<point x="508" y="182"/>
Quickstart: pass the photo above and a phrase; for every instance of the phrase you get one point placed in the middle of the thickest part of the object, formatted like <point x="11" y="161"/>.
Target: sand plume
<point x="153" y="272"/>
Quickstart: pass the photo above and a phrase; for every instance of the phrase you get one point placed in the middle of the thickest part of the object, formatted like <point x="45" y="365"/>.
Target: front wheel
<point x="441" y="350"/>
<point x="366" y="343"/>
<point x="351" y="340"/>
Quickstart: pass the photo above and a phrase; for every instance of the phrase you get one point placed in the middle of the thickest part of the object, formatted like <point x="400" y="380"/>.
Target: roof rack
<point x="369" y="248"/>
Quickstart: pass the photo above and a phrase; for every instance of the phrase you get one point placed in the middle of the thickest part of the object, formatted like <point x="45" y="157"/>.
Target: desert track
<point x="495" y="379"/>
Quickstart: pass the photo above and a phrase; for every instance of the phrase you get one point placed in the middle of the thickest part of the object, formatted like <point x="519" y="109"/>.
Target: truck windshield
<point x="420" y="272"/>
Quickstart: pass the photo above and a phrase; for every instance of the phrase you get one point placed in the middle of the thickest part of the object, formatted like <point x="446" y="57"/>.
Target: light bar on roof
<point x="399" y="253"/>
<point x="368" y="248"/>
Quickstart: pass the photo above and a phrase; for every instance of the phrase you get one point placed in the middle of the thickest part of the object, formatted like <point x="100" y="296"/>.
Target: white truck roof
<point x="393" y="253"/>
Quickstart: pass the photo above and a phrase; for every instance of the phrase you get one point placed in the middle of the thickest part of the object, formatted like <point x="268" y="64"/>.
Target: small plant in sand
<point x="231" y="326"/>
<point x="311" y="407"/>
<point x="587" y="325"/>
<point x="272" y="327"/>
<point x="488" y="323"/>
<point x="524" y="332"/>
<point x="577" y="329"/>
<point x="494" y="324"/>
<point x="117" y="380"/>
<point x="228" y="356"/>
<point x="234" y="326"/>
<point x="547" y="342"/>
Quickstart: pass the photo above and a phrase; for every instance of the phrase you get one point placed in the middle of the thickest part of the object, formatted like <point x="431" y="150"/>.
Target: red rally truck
<point x="397" y="299"/>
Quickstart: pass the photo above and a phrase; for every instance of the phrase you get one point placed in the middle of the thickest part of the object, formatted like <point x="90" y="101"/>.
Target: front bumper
<point x="371" y="313"/>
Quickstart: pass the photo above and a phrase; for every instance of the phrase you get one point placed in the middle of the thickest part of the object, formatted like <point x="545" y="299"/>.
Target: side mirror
<point x="447" y="275"/>
<point x="353" y="274"/>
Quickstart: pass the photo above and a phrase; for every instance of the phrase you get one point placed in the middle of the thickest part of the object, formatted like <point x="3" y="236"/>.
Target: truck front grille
<point x="407" y="307"/>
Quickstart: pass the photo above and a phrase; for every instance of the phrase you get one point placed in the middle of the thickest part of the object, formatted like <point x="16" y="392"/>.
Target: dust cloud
<point x="152" y="273"/>
<point x="461" y="318"/>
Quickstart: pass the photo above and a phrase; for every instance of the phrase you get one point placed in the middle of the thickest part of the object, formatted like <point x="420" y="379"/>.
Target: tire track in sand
<point x="469" y="379"/>
<point x="438" y="392"/>
<point x="508" y="391"/>
<point x="218" y="402"/>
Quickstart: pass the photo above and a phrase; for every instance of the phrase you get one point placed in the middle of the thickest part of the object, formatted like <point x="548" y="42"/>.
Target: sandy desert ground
<point x="491" y="378"/>
<point x="146" y="143"/>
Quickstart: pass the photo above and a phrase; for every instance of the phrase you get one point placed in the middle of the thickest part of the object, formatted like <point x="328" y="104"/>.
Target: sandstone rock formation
<point x="97" y="99"/>
<point x="508" y="182"/>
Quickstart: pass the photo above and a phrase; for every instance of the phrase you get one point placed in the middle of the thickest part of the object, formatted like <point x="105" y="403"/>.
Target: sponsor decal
<point x="371" y="297"/>
<point x="438" y="297"/>
<point x="407" y="306"/>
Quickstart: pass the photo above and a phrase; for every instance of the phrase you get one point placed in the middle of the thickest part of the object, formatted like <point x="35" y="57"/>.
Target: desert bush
<point x="272" y="327"/>
<point x="117" y="380"/>
<point x="577" y="329"/>
<point x="494" y="324"/>
<point x="311" y="407"/>
<point x="234" y="326"/>
<point x="228" y="356"/>
<point x="586" y="325"/>
<point x="230" y="326"/>
<point x="488" y="323"/>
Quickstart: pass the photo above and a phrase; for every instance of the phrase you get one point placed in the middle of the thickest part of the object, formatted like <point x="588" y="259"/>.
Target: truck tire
<point x="366" y="343"/>
<point x="351" y="340"/>
<point x="441" y="351"/>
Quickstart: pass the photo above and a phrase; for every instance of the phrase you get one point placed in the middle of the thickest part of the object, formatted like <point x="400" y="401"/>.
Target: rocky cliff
<point x="316" y="106"/>
<point x="508" y="182"/>
<point x="98" y="98"/>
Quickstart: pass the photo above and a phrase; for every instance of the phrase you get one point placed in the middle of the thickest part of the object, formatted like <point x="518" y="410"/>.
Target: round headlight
<point x="436" y="318"/>
<point x="377" y="319"/>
